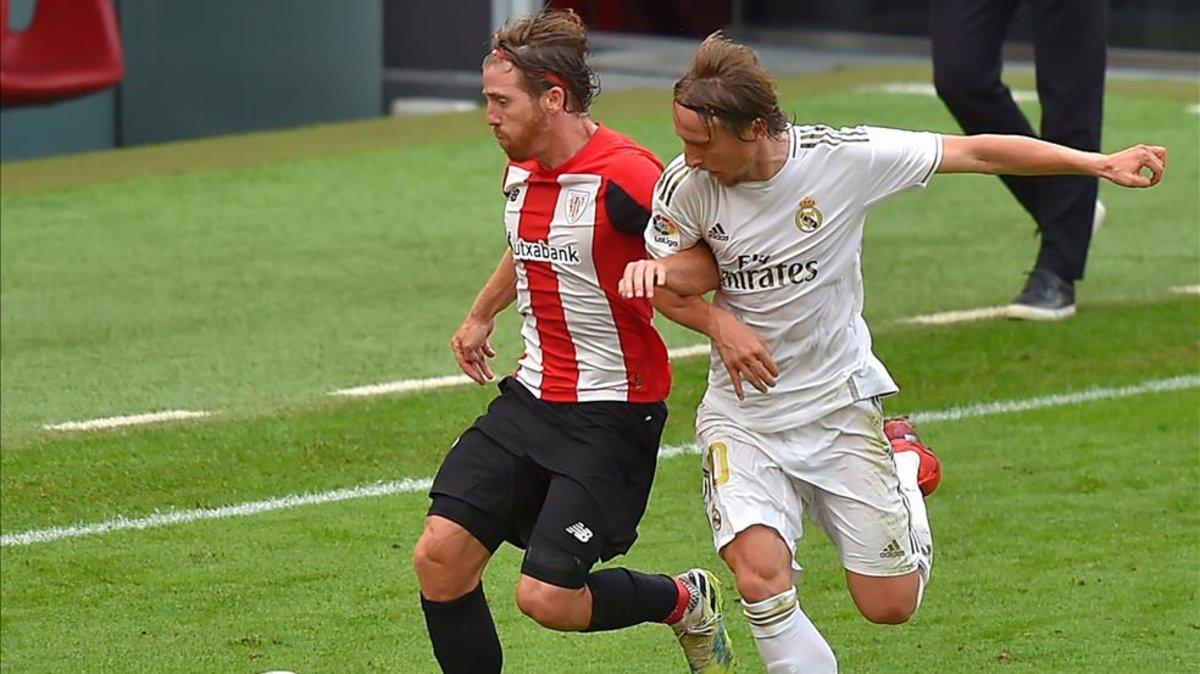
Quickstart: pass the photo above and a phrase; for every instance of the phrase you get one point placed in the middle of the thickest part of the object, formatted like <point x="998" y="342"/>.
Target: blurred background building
<point x="195" y="69"/>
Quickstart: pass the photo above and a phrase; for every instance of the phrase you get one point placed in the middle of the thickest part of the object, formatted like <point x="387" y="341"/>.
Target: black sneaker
<point x="1046" y="297"/>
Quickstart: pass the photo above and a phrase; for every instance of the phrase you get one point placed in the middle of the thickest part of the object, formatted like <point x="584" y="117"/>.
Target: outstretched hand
<point x="1126" y="167"/>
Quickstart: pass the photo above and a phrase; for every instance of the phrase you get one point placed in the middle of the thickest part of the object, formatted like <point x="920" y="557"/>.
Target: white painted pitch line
<point x="689" y="351"/>
<point x="170" y="517"/>
<point x="1090" y="395"/>
<point x="410" y="485"/>
<point x="408" y="385"/>
<point x="130" y="420"/>
<point x="926" y="89"/>
<point x="1194" y="108"/>
<point x="1186" y="290"/>
<point x="957" y="316"/>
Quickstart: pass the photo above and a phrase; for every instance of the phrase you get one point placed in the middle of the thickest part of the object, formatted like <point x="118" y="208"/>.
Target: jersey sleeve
<point x="628" y="193"/>
<point x="676" y="220"/>
<point x="893" y="161"/>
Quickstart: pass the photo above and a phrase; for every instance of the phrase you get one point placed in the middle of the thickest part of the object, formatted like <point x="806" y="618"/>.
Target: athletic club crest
<point x="577" y="201"/>
<point x="809" y="217"/>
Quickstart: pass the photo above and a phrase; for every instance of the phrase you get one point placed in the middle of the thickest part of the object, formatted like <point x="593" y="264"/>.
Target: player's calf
<point x="885" y="600"/>
<point x="558" y="608"/>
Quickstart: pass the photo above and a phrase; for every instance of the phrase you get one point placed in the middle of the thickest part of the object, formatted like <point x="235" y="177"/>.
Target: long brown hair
<point x="728" y="83"/>
<point x="550" y="49"/>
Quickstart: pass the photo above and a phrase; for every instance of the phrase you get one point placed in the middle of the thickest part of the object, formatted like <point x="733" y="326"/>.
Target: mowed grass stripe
<point x="135" y="472"/>
<point x="412" y="484"/>
<point x="1066" y="541"/>
<point x="265" y="287"/>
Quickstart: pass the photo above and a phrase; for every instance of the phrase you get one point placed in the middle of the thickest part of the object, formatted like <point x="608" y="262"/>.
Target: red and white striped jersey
<point x="572" y="230"/>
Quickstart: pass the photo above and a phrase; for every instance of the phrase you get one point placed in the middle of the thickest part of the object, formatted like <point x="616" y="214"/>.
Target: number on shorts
<point x="718" y="460"/>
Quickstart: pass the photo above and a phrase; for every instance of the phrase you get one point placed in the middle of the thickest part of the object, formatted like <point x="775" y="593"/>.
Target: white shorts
<point x="838" y="470"/>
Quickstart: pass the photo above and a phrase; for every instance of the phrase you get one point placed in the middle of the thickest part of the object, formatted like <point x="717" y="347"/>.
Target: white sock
<point x="907" y="465"/>
<point x="787" y="640"/>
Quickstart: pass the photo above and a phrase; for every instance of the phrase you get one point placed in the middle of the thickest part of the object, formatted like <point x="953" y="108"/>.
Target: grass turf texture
<point x="265" y="286"/>
<point x="251" y="275"/>
<point x="1065" y="535"/>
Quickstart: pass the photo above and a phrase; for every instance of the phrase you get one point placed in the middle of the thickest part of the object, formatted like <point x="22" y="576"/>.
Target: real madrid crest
<point x="809" y="217"/>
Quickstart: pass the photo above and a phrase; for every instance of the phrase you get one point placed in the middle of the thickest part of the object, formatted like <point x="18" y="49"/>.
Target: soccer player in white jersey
<point x="770" y="215"/>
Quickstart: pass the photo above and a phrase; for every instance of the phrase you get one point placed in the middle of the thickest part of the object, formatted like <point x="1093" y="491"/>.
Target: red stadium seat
<point x="71" y="48"/>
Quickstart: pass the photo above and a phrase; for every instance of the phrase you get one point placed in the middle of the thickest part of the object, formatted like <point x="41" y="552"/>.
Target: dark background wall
<point x="198" y="68"/>
<point x="1142" y="24"/>
<point x="434" y="49"/>
<point x="218" y="66"/>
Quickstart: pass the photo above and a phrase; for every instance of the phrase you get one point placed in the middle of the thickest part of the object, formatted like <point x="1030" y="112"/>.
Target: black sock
<point x="621" y="598"/>
<point x="463" y="634"/>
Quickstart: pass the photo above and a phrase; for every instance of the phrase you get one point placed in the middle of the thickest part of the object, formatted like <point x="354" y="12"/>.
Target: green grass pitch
<point x="248" y="276"/>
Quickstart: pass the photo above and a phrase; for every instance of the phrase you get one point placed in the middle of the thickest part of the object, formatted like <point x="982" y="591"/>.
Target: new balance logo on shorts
<point x="580" y="531"/>
<point x="892" y="550"/>
<point x="717" y="233"/>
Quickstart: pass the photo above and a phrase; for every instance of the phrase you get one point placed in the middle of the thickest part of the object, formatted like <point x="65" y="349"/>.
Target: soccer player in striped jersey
<point x="562" y="462"/>
<point x="771" y="215"/>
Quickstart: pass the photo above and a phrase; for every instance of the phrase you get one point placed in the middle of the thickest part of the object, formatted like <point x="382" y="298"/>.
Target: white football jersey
<point x="789" y="251"/>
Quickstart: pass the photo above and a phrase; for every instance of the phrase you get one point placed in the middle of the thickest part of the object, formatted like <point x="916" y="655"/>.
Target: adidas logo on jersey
<point x="891" y="550"/>
<point x="580" y="531"/>
<point x="717" y="233"/>
<point x="540" y="251"/>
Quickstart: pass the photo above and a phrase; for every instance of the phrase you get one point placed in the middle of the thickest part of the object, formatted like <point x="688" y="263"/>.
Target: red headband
<point x="550" y="76"/>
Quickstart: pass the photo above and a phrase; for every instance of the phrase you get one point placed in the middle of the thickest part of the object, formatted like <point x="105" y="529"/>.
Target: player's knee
<point x="758" y="582"/>
<point x="548" y="605"/>
<point x="439" y="570"/>
<point x="428" y="559"/>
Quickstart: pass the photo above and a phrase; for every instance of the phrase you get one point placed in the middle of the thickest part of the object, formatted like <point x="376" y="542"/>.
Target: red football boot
<point x="904" y="438"/>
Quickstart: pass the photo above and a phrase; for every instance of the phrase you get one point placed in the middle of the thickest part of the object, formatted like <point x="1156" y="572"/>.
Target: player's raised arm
<point x="1020" y="155"/>
<point x="471" y="342"/>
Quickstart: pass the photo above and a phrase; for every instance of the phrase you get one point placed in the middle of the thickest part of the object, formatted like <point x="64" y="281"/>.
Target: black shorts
<point x="568" y="482"/>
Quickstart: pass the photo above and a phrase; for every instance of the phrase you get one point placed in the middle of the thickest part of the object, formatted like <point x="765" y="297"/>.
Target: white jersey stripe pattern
<point x="532" y="359"/>
<point x="601" y="361"/>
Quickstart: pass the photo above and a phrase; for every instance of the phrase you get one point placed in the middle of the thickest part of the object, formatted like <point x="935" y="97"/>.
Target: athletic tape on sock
<point x="772" y="615"/>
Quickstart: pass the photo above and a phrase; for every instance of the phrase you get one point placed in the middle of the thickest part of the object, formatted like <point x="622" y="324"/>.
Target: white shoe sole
<point x="1024" y="312"/>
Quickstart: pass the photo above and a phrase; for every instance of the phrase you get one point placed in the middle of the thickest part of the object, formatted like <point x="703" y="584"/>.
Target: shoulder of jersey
<point x="621" y="149"/>
<point x="814" y="136"/>
<point x="678" y="179"/>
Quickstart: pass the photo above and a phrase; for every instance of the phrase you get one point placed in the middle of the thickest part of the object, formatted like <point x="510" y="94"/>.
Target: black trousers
<point x="1069" y="42"/>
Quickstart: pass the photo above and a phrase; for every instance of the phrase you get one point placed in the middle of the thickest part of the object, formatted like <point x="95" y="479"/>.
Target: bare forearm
<point x="499" y="291"/>
<point x="692" y="271"/>
<point x="1016" y="155"/>
<point x="690" y="311"/>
